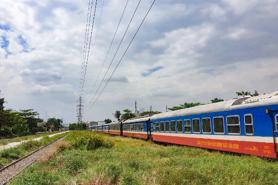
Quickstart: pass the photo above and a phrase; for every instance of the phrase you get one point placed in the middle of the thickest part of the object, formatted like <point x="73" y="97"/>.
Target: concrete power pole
<point x="151" y="110"/>
<point x="79" y="110"/>
<point x="136" y="109"/>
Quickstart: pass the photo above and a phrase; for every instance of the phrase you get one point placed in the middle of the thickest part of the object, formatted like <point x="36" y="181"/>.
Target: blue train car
<point x="137" y="128"/>
<point x="246" y="125"/>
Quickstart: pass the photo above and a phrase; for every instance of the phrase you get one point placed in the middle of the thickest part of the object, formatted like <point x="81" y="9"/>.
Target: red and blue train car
<point x="247" y="125"/>
<point x="136" y="128"/>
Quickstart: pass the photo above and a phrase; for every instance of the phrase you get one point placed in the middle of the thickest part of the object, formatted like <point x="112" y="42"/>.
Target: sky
<point x="186" y="51"/>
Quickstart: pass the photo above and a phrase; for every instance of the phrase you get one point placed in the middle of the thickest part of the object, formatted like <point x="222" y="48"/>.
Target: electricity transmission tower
<point x="79" y="110"/>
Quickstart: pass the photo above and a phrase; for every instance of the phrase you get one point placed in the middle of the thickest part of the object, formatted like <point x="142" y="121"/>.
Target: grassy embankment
<point x="11" y="154"/>
<point x="17" y="139"/>
<point x="92" y="159"/>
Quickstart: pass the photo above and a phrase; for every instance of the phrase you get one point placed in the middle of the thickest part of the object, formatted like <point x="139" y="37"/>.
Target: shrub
<point x="74" y="164"/>
<point x="3" y="162"/>
<point x="89" y="141"/>
<point x="12" y="153"/>
<point x="30" y="145"/>
<point x="129" y="179"/>
<point x="97" y="142"/>
<point x="114" y="172"/>
<point x="36" y="177"/>
<point x="177" y="176"/>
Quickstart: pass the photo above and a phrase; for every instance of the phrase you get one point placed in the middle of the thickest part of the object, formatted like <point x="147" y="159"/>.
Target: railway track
<point x="14" y="168"/>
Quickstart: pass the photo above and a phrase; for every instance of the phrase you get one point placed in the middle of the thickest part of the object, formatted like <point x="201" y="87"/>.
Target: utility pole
<point x="166" y="108"/>
<point x="79" y="110"/>
<point x="151" y="110"/>
<point x="135" y="108"/>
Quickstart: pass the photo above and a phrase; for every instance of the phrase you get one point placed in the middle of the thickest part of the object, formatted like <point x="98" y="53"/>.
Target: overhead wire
<point x="88" y="20"/>
<point x="110" y="45"/>
<point x="123" y="55"/>
<point x="118" y="47"/>
<point x="89" y="48"/>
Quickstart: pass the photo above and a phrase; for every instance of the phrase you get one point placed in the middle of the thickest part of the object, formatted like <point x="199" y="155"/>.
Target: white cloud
<point x="240" y="34"/>
<point x="239" y="7"/>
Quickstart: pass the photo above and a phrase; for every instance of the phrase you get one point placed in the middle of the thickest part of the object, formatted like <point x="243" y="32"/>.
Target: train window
<point x="162" y="127"/>
<point x="137" y="127"/>
<point x="167" y="126"/>
<point x="187" y="126"/>
<point x="206" y="125"/>
<point x="233" y="124"/>
<point x="173" y="126"/>
<point x="196" y="125"/>
<point x="179" y="126"/>
<point x="218" y="124"/>
<point x="157" y="127"/>
<point x="133" y="127"/>
<point x="248" y="122"/>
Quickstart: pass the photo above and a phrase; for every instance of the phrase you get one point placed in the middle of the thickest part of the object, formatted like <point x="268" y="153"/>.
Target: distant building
<point x="94" y="123"/>
<point x="100" y="122"/>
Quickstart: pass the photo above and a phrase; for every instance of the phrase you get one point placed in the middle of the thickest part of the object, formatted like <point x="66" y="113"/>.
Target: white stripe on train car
<point x="221" y="137"/>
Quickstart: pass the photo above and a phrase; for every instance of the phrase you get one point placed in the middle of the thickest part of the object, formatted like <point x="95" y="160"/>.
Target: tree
<point x="215" y="100"/>
<point x="243" y="93"/>
<point x="107" y="121"/>
<point x="77" y="126"/>
<point x="42" y="126"/>
<point x="150" y="113"/>
<point x="54" y="124"/>
<point x="2" y="101"/>
<point x="127" y="114"/>
<point x="118" y="115"/>
<point x="12" y="124"/>
<point x="247" y="93"/>
<point x="30" y="116"/>
<point x="256" y="93"/>
<point x="184" y="106"/>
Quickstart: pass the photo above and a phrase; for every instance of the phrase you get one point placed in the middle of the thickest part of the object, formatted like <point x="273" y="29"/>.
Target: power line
<point x="86" y="53"/>
<point x="121" y="59"/>
<point x="111" y="43"/>
<point x="88" y="21"/>
<point x="118" y="47"/>
<point x="89" y="48"/>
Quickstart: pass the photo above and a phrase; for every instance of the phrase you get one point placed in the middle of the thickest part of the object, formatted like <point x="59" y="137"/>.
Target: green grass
<point x="98" y="159"/>
<point x="11" y="154"/>
<point x="17" y="139"/>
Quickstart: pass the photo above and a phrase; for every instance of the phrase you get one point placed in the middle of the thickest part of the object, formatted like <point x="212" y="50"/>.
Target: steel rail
<point x="6" y="176"/>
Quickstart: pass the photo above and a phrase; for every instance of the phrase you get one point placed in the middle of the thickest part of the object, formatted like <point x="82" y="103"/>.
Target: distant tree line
<point x="77" y="126"/>
<point x="215" y="100"/>
<point x="128" y="114"/>
<point x="19" y="123"/>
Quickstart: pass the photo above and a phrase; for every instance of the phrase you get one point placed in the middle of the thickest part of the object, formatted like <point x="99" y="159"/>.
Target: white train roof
<point x="137" y="120"/>
<point x="244" y="102"/>
<point x="113" y="123"/>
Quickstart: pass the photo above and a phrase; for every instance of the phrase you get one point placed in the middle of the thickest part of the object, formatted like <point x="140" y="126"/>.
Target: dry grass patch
<point x="56" y="147"/>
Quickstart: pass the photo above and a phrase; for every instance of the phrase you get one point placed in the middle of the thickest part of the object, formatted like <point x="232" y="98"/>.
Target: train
<point x="245" y="125"/>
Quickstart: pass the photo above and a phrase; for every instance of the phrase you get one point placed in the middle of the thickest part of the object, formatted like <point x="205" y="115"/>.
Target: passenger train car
<point x="137" y="128"/>
<point x="247" y="125"/>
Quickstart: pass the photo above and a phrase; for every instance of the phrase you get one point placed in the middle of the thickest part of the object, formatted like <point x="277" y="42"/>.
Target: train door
<point x="274" y="117"/>
<point x="149" y="130"/>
